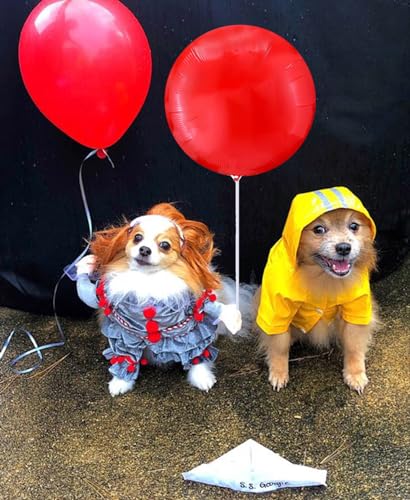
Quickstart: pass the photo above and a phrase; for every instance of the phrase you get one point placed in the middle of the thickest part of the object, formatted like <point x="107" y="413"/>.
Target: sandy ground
<point x="63" y="436"/>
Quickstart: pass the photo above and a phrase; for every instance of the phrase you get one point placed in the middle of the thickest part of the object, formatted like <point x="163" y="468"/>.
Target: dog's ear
<point x="109" y="243"/>
<point x="167" y="210"/>
<point x="198" y="238"/>
<point x="368" y="254"/>
<point x="198" y="250"/>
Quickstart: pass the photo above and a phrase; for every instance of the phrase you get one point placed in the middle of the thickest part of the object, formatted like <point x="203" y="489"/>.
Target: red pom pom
<point x="144" y="362"/>
<point x="107" y="311"/>
<point x="196" y="361"/>
<point x="206" y="354"/>
<point x="131" y="368"/>
<point x="118" y="359"/>
<point x="152" y="326"/>
<point x="154" y="337"/>
<point x="199" y="316"/>
<point x="199" y="303"/>
<point x="103" y="302"/>
<point x="149" y="312"/>
<point x="212" y="297"/>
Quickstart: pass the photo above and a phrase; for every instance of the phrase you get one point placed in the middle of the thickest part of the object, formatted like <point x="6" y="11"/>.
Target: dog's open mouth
<point x="335" y="266"/>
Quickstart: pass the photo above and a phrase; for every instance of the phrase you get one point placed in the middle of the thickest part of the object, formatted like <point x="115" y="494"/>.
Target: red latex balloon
<point x="240" y="100"/>
<point x="87" y="66"/>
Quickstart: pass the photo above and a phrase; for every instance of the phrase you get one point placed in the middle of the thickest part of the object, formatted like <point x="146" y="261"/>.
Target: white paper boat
<point x="252" y="468"/>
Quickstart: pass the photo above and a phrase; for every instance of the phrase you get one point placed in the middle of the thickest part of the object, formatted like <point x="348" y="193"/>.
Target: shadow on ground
<point x="63" y="436"/>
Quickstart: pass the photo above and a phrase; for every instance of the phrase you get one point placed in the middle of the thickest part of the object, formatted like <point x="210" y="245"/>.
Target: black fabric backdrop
<point x="358" y="52"/>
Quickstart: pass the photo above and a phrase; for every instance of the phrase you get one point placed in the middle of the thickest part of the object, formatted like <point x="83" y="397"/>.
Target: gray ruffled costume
<point x="181" y="329"/>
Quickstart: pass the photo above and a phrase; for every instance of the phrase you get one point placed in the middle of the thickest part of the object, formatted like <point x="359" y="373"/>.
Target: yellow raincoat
<point x="285" y="300"/>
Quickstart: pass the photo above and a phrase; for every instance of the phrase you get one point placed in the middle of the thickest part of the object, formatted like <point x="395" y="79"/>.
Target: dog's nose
<point x="343" y="248"/>
<point x="145" y="251"/>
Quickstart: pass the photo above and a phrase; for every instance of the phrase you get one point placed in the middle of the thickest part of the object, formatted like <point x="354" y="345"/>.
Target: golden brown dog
<point x="326" y="295"/>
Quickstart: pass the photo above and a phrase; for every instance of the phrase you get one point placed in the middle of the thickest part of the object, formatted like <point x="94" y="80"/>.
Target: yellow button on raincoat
<point x="285" y="300"/>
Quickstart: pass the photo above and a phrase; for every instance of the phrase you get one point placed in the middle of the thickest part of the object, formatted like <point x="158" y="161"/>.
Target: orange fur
<point x="109" y="244"/>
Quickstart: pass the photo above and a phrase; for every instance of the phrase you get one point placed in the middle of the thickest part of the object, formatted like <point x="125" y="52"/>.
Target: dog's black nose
<point x="343" y="248"/>
<point x="145" y="251"/>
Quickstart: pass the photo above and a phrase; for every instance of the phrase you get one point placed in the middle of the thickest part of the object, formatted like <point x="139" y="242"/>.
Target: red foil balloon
<point x="240" y="100"/>
<point x="87" y="66"/>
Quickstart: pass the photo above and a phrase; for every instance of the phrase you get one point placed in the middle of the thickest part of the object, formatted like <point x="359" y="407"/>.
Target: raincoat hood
<point x="285" y="300"/>
<point x="306" y="207"/>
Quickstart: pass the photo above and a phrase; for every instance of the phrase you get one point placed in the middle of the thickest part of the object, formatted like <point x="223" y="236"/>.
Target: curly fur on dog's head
<point x="162" y="239"/>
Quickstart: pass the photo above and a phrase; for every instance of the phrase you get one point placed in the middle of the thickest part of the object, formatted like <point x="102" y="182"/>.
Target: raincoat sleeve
<point x="358" y="311"/>
<point x="86" y="291"/>
<point x="275" y="313"/>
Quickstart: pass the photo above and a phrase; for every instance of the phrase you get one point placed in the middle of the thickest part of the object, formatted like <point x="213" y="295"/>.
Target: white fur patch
<point x="118" y="386"/>
<point x="152" y="225"/>
<point x="158" y="285"/>
<point x="157" y="220"/>
<point x="201" y="376"/>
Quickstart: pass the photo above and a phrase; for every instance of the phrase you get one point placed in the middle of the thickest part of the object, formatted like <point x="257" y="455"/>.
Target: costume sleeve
<point x="275" y="313"/>
<point x="358" y="311"/>
<point x="214" y="309"/>
<point x="86" y="291"/>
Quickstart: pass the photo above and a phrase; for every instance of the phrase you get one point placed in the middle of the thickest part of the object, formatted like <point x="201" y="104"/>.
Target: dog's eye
<point x="354" y="226"/>
<point x="138" y="237"/>
<point x="165" y="245"/>
<point x="319" y="230"/>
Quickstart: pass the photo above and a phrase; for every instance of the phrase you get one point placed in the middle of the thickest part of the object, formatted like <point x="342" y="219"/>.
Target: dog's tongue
<point x="340" y="266"/>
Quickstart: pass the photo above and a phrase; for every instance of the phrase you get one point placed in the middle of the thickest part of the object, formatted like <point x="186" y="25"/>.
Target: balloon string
<point x="67" y="272"/>
<point x="236" y="179"/>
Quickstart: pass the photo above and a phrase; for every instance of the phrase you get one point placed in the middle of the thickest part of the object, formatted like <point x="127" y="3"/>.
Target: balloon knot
<point x="101" y="154"/>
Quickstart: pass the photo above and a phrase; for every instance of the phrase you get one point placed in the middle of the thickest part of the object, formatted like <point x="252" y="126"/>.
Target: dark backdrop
<point x="358" y="52"/>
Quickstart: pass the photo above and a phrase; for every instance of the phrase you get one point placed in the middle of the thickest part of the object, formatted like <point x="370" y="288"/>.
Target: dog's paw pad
<point x="118" y="386"/>
<point x="278" y="380"/>
<point x="201" y="377"/>
<point x="356" y="381"/>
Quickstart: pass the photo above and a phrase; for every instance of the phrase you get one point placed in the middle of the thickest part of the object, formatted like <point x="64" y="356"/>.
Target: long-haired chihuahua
<point x="156" y="296"/>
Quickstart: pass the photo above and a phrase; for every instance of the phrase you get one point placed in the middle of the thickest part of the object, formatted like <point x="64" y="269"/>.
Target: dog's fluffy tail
<point x="226" y="295"/>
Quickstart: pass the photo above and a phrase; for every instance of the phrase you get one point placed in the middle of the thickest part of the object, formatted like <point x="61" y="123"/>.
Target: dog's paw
<point x="201" y="376"/>
<point x="86" y="265"/>
<point x="231" y="318"/>
<point x="118" y="386"/>
<point x="356" y="381"/>
<point x="278" y="380"/>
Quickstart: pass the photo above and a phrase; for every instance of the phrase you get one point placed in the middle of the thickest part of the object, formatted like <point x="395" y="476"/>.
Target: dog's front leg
<point x="355" y="341"/>
<point x="201" y="376"/>
<point x="125" y="370"/>
<point x="118" y="386"/>
<point x="276" y="350"/>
